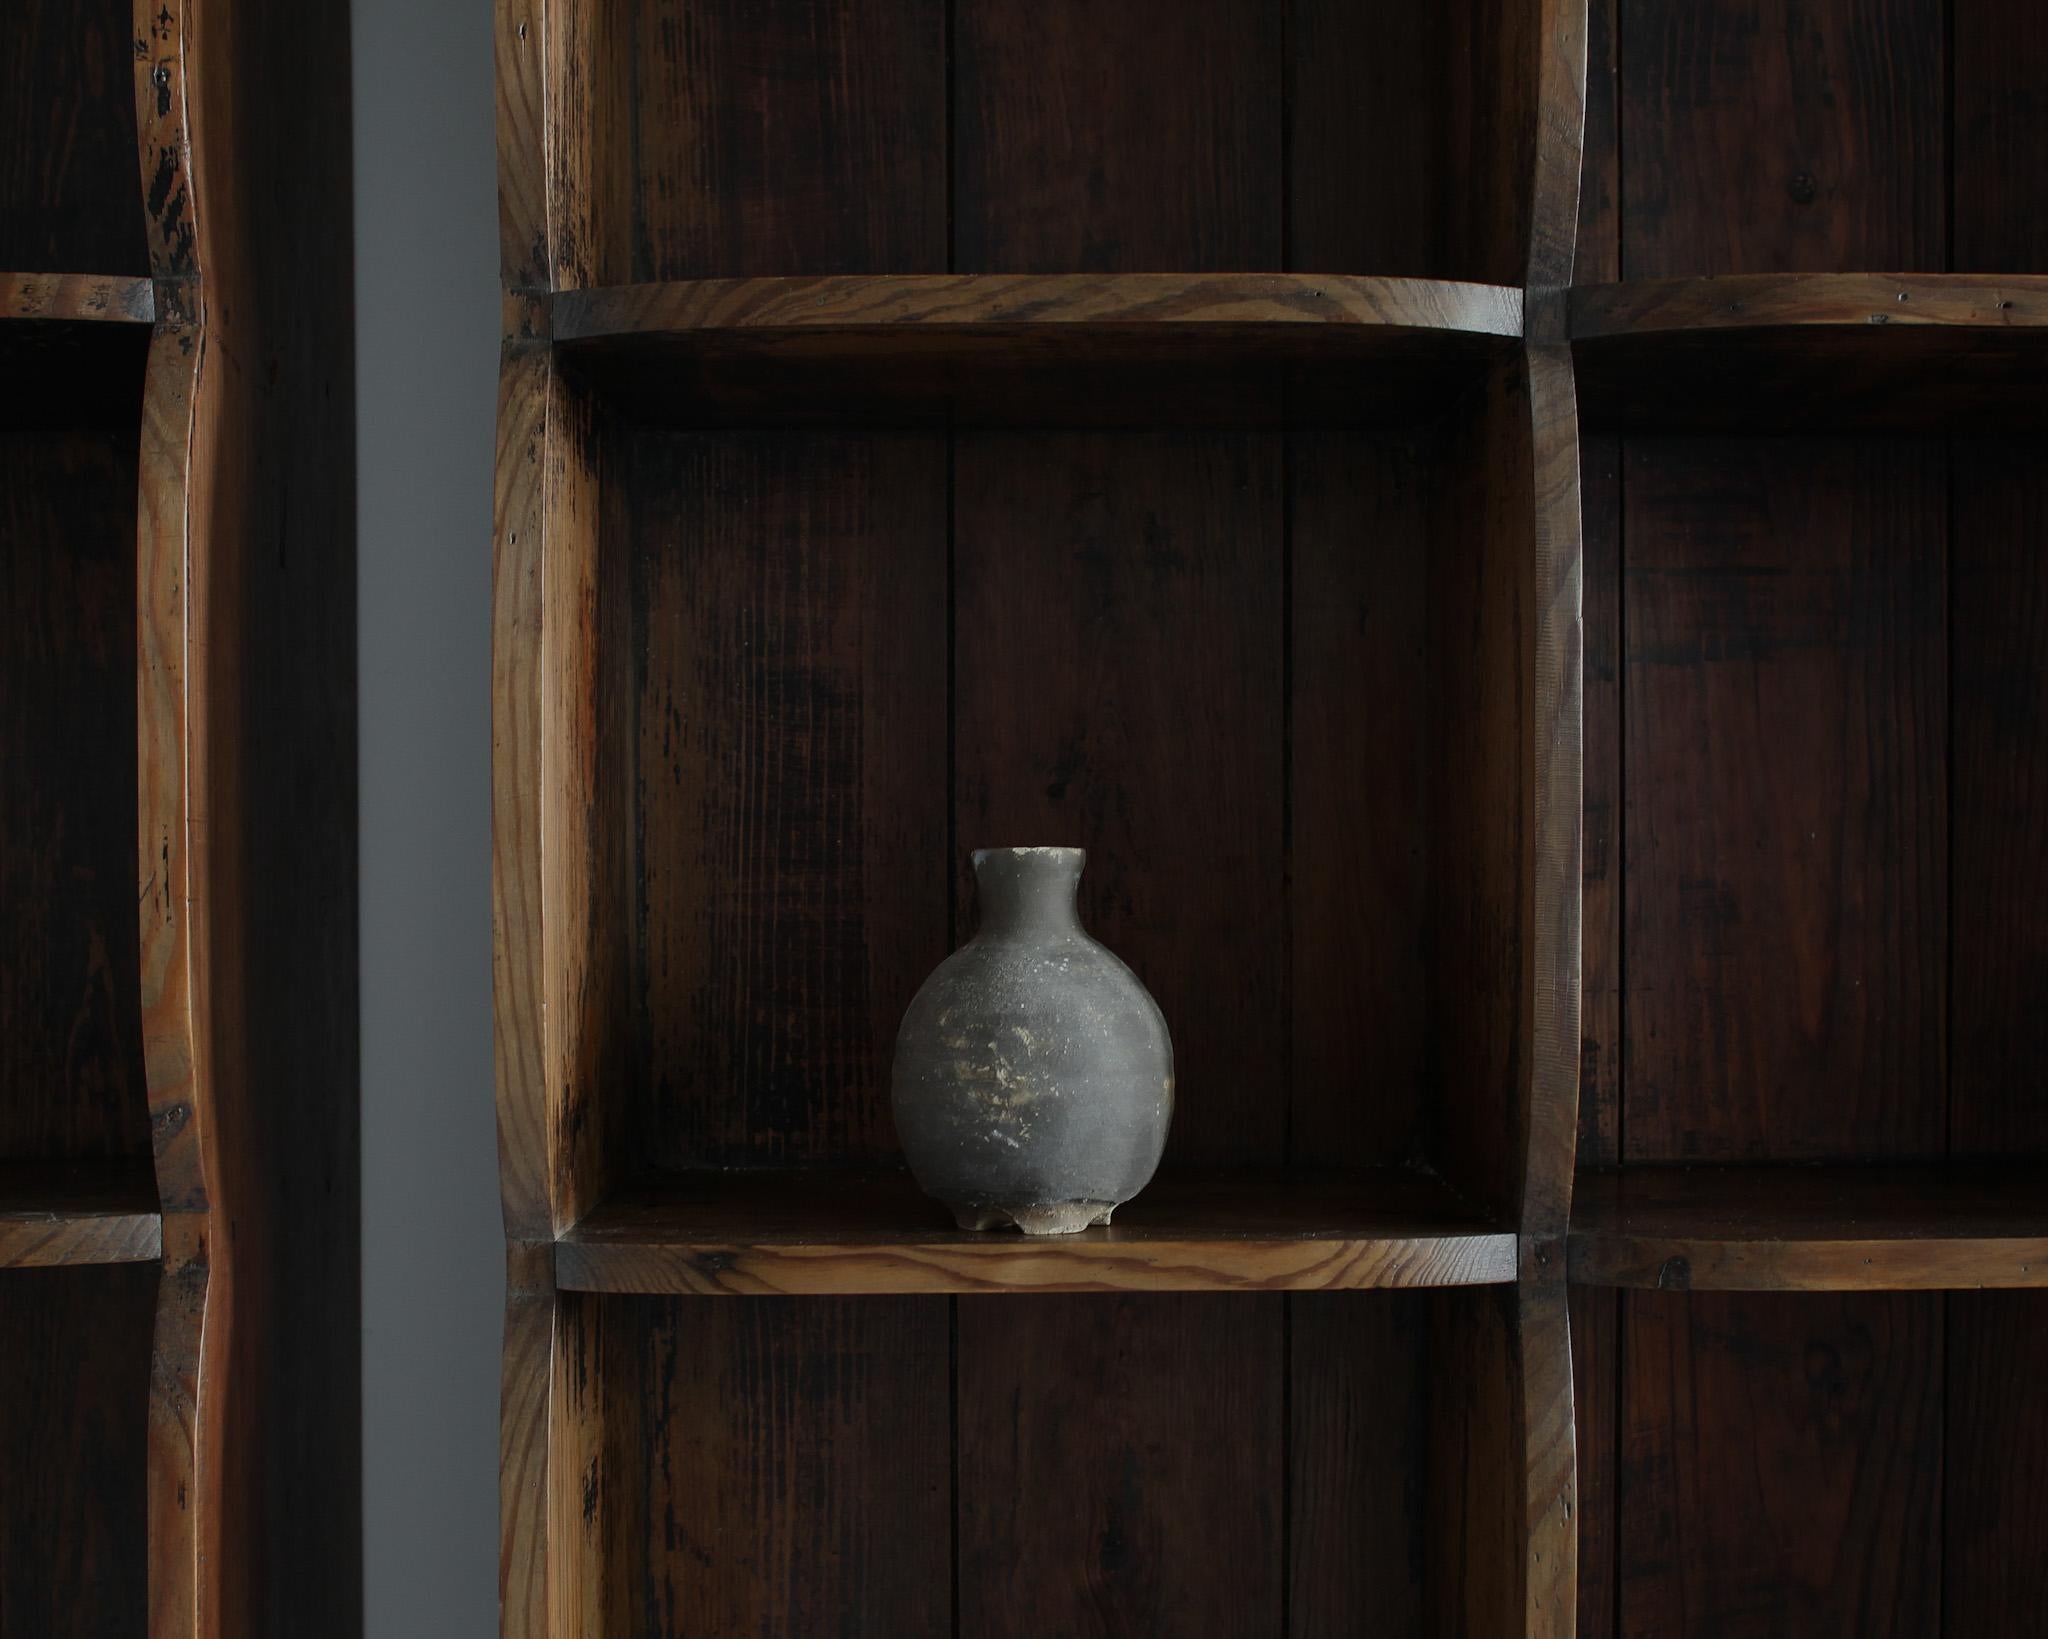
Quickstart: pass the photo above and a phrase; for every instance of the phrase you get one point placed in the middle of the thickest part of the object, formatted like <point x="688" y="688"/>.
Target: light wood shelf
<point x="76" y="298"/>
<point x="81" y="1212"/>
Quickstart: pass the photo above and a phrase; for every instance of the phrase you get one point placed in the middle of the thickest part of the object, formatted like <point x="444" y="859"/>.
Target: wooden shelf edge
<point x="1677" y="1263"/>
<point x="1808" y="301"/>
<point x="66" y="1214"/>
<point x="1102" y="1260"/>
<point x="1040" y="304"/>
<point x="76" y="298"/>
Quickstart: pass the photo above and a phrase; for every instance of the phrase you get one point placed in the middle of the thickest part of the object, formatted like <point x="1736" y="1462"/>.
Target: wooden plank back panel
<point x="1995" y="1465"/>
<point x="2001" y="129"/>
<point x="780" y="1465"/>
<point x="1785" y="788"/>
<point x="74" y="1399"/>
<point x="1118" y="138"/>
<point x="71" y="1071"/>
<point x="789" y="592"/>
<point x="70" y="171"/>
<point x="786" y="137"/>
<point x="1600" y="976"/>
<point x="1596" y="1406"/>
<point x="1998" y="1101"/>
<point x="1118" y="669"/>
<point x="1781" y="136"/>
<point x="1120" y="1465"/>
<point x="1781" y="1465"/>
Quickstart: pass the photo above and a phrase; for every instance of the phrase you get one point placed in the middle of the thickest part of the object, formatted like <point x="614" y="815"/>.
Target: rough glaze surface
<point x="1034" y="1080"/>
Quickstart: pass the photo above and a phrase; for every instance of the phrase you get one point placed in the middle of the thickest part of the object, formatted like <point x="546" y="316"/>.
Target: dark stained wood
<point x="1598" y="249"/>
<point x="1545" y="1446"/>
<point x="1876" y="306"/>
<point x="1084" y="1503"/>
<point x="786" y="137"/>
<point x="69" y="195"/>
<point x="70" y="1033"/>
<point x="822" y="1233"/>
<point x="520" y="34"/>
<point x="1358" y="829"/>
<point x="778" y="1466"/>
<point x="1781" y="1465"/>
<point x="1781" y="136"/>
<point x="1785" y="651"/>
<point x="77" y="1212"/>
<point x="1118" y="671"/>
<point x="1595" y="1317"/>
<point x="791" y="786"/>
<point x="1600" y="1005"/>
<point x="1811" y="1229"/>
<point x="1113" y="139"/>
<point x="74" y="1396"/>
<point x="76" y="298"/>
<point x="1998" y="1102"/>
<point x="1995" y="1457"/>
<point x="1476" y="1550"/>
<point x="2000" y="63"/>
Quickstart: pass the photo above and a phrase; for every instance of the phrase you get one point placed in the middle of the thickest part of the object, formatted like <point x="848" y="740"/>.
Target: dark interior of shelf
<point x="1876" y="1202"/>
<point x="70" y="1025"/>
<point x="123" y="1186"/>
<point x="771" y="1464"/>
<point x="1816" y="809"/>
<point x="74" y="1402"/>
<point x="70" y="175"/>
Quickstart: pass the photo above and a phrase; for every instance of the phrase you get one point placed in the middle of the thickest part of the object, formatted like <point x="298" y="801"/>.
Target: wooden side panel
<point x="74" y="1397"/>
<point x="524" y="261"/>
<point x="2001" y="129"/>
<point x="70" y="193"/>
<point x="787" y="137"/>
<point x="1118" y="664"/>
<point x="71" y="1072"/>
<point x="1786" y="820"/>
<point x="1600" y="1001"/>
<point x="1358" y="717"/>
<point x="1996" y="1516"/>
<point x="1781" y="1465"/>
<point x="1117" y="139"/>
<point x="1120" y="1465"/>
<point x="790" y="594"/>
<point x="1782" y="136"/>
<point x="1998" y="1098"/>
<point x="777" y="1466"/>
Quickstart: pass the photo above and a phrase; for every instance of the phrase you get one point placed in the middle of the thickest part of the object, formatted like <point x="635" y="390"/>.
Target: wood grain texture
<point x="1358" y="817"/>
<point x="1601" y="883"/>
<point x="780" y="1467"/>
<point x="1998" y="1103"/>
<point x="1999" y="51"/>
<point x="70" y="1037"/>
<point x="1118" y="686"/>
<point x="68" y="196"/>
<point x="77" y="1212"/>
<point x="195" y="1588"/>
<point x="1598" y="248"/>
<point x="1551" y="108"/>
<point x="1768" y="136"/>
<point x="1092" y="139"/>
<point x="1995" y="1464"/>
<point x="1876" y="305"/>
<point x="1811" y="1229"/>
<point x="1546" y="1446"/>
<point x="1786" y="652"/>
<point x="586" y="141"/>
<point x="790" y="796"/>
<point x="1781" y="1465"/>
<point x="1084" y="1506"/>
<point x="527" y="1552"/>
<point x="1241" y="1230"/>
<point x="1595" y="1320"/>
<point x="519" y="35"/>
<point x="76" y="298"/>
<point x="786" y="137"/>
<point x="1476" y="1555"/>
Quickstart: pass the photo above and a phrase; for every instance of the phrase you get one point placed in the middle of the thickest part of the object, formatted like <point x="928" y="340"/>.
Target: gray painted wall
<point x="433" y="1261"/>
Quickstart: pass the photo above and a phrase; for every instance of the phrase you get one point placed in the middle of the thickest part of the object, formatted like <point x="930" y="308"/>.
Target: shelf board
<point x="996" y="347"/>
<point x="1798" y="1229"/>
<point x="76" y="298"/>
<point x="1878" y="350"/>
<point x="849" y="1233"/>
<point x="65" y="1213"/>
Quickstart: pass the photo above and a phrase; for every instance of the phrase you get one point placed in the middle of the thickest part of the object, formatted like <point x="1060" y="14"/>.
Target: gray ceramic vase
<point x="1034" y="1079"/>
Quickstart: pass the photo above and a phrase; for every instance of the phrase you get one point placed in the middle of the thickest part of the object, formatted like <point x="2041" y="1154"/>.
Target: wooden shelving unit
<point x="177" y="1019"/>
<point x="1194" y="433"/>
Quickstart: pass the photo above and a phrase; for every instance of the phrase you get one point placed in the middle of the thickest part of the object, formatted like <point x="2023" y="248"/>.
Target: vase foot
<point x="1038" y="1218"/>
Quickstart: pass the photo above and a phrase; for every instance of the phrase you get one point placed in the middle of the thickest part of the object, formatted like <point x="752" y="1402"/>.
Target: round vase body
<point x="1033" y="1082"/>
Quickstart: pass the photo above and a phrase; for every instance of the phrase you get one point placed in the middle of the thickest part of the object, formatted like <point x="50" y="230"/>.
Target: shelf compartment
<point x="1834" y="350"/>
<point x="80" y="1212"/>
<point x="808" y="1233"/>
<point x="1765" y="1229"/>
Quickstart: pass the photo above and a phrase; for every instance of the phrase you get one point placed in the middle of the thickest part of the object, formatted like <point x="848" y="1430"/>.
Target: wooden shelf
<point x="986" y="347"/>
<point x="54" y="1214"/>
<point x="1794" y="1228"/>
<point x="1907" y="351"/>
<point x="846" y="1233"/>
<point x="76" y="298"/>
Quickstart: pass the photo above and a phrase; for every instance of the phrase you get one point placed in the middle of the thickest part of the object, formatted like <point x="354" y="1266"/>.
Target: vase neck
<point x="1028" y="890"/>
